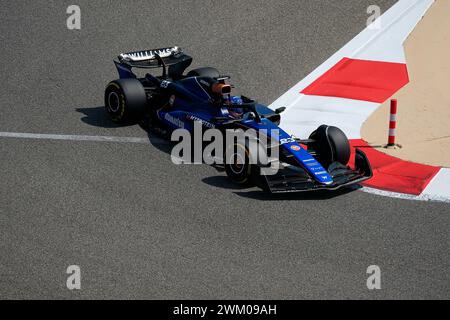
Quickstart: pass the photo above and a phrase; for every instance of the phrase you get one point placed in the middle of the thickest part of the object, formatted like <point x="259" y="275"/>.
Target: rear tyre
<point x="204" y="72"/>
<point x="331" y="145"/>
<point x="125" y="100"/>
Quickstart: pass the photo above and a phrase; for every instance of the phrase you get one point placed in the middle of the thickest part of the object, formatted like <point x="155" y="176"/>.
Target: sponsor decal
<point x="287" y="140"/>
<point x="295" y="148"/>
<point x="175" y="121"/>
<point x="165" y="84"/>
<point x="203" y="122"/>
<point x="315" y="163"/>
<point x="149" y="54"/>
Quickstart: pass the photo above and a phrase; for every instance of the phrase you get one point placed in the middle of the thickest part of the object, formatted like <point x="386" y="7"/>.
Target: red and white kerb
<point x="348" y="87"/>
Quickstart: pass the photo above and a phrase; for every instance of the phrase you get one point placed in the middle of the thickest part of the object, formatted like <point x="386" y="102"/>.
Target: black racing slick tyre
<point x="237" y="164"/>
<point x="331" y="145"/>
<point x="204" y="72"/>
<point x="125" y="100"/>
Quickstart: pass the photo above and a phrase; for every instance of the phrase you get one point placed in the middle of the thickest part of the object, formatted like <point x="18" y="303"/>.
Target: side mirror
<point x="280" y="110"/>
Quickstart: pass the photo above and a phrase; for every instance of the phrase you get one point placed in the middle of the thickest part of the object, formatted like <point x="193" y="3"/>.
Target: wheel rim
<point x="235" y="166"/>
<point x="113" y="102"/>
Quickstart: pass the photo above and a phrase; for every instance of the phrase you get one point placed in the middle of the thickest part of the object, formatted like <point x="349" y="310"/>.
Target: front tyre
<point x="237" y="164"/>
<point x="331" y="145"/>
<point x="125" y="100"/>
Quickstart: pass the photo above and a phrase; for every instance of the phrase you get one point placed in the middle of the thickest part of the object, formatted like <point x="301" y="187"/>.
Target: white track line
<point x="422" y="197"/>
<point x="73" y="137"/>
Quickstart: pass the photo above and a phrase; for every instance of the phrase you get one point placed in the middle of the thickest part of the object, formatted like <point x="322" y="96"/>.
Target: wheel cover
<point x="113" y="102"/>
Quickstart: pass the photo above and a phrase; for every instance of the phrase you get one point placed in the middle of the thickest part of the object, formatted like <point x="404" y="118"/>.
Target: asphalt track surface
<point x="141" y="227"/>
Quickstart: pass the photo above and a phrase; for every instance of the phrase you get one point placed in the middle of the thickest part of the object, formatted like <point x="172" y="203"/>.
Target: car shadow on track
<point x="97" y="117"/>
<point x="295" y="196"/>
<point x="222" y="181"/>
<point x="255" y="193"/>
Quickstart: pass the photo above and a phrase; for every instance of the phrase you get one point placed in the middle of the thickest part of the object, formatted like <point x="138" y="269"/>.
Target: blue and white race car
<point x="177" y="100"/>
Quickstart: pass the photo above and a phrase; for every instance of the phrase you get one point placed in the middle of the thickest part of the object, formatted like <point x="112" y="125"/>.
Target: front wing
<point x="295" y="179"/>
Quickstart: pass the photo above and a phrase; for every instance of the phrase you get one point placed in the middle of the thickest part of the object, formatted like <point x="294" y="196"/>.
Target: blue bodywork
<point x="193" y="103"/>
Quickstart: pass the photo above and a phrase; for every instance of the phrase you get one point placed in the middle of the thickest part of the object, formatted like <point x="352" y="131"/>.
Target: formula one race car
<point x="177" y="100"/>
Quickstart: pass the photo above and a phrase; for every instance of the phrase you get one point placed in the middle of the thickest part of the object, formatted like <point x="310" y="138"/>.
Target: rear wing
<point x="149" y="58"/>
<point x="154" y="58"/>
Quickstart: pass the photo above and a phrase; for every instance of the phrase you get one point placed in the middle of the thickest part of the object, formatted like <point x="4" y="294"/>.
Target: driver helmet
<point x="223" y="89"/>
<point x="233" y="111"/>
